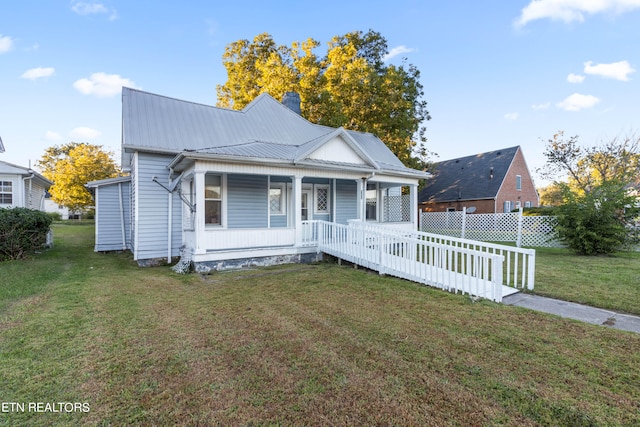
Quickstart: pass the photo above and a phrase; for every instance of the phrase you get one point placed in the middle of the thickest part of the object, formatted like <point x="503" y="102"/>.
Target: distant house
<point x="491" y="182"/>
<point x="231" y="188"/>
<point x="22" y="187"/>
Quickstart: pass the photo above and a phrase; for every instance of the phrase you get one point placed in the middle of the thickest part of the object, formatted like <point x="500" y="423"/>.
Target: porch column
<point x="198" y="228"/>
<point x="413" y="197"/>
<point x="360" y="198"/>
<point x="296" y="183"/>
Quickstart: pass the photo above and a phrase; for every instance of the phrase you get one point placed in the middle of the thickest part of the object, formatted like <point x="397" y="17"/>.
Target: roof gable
<point x="1" y="146"/>
<point x="469" y="178"/>
<point x="335" y="147"/>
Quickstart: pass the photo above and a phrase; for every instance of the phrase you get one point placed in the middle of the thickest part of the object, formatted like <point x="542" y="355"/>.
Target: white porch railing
<point x="456" y="265"/>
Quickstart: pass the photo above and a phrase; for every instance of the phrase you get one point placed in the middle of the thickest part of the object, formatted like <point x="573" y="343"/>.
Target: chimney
<point x="291" y="100"/>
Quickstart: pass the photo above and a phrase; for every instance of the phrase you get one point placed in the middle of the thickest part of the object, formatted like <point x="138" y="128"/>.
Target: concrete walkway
<point x="571" y="310"/>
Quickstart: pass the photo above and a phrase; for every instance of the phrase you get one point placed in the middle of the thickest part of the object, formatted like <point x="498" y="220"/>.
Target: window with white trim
<point x="213" y="199"/>
<point x="507" y="206"/>
<point x="527" y="204"/>
<point x="518" y="182"/>
<point x="277" y="199"/>
<point x="6" y="192"/>
<point x="518" y="205"/>
<point x="321" y="198"/>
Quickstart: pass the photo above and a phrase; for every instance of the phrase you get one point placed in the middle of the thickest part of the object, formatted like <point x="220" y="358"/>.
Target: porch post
<point x="296" y="182"/>
<point x="413" y="197"/>
<point x="360" y="198"/>
<point x="198" y="179"/>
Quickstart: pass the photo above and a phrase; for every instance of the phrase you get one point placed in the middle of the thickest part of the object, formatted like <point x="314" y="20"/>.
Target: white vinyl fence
<point x="530" y="231"/>
<point x="457" y="265"/>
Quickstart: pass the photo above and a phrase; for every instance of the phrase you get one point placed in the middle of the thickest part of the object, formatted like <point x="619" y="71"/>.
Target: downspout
<point x="122" y="231"/>
<point x="169" y="228"/>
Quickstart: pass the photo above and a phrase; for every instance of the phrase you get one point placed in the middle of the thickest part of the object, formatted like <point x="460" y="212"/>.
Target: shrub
<point x="22" y="231"/>
<point x="55" y="216"/>
<point x="597" y="222"/>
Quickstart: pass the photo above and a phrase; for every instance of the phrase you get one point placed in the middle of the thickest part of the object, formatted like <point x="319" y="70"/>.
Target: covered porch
<point x="240" y="211"/>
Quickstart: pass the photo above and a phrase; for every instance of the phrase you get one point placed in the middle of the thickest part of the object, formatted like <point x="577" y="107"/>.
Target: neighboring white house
<point x="53" y="207"/>
<point x="229" y="187"/>
<point x="22" y="187"/>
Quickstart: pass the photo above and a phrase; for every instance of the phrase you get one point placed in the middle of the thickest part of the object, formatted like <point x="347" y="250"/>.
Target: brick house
<point x="492" y="182"/>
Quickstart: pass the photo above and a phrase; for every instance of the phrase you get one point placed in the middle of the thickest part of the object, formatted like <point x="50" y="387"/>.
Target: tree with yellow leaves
<point x="351" y="86"/>
<point x="70" y="167"/>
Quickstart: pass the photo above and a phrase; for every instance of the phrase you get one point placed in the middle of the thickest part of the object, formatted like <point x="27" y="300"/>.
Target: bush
<point x="539" y="211"/>
<point x="597" y="222"/>
<point x="22" y="231"/>
<point x="55" y="216"/>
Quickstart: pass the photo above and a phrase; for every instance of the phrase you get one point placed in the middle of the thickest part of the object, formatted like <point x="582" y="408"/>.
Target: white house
<point x="229" y="188"/>
<point x="22" y="187"/>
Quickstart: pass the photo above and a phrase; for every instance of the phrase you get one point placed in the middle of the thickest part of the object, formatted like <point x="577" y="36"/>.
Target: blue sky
<point x="495" y="74"/>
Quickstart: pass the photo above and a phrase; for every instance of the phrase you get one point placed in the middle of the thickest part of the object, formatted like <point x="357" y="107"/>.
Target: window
<point x="322" y="199"/>
<point x="276" y="199"/>
<point x="518" y="182"/>
<point x="507" y="206"/>
<point x="6" y="192"/>
<point x="213" y="199"/>
<point x="372" y="202"/>
<point x="527" y="204"/>
<point x="518" y="205"/>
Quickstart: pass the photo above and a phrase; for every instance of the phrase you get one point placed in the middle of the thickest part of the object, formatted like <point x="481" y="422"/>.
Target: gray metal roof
<point x="264" y="130"/>
<point x="1" y="146"/>
<point x="468" y="178"/>
<point x="11" y="169"/>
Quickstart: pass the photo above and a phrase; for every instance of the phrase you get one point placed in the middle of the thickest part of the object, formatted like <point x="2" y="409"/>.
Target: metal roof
<point x="11" y="169"/>
<point x="264" y="130"/>
<point x="468" y="178"/>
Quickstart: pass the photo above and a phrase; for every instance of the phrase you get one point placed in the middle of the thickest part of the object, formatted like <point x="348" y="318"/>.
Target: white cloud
<point x="575" y="78"/>
<point x="82" y="8"/>
<point x="39" y="72"/>
<point x="511" y="116"/>
<point x="541" y="106"/>
<point x="6" y="44"/>
<point x="103" y="85"/>
<point x="52" y="136"/>
<point x="398" y="50"/>
<point x="572" y="10"/>
<point x="577" y="102"/>
<point x="616" y="70"/>
<point x="84" y="133"/>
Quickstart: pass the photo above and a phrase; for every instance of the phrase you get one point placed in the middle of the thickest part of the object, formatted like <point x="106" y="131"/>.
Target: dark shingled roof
<point x="468" y="178"/>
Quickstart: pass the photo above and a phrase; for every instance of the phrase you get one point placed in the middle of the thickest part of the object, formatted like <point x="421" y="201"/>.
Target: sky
<point x="495" y="73"/>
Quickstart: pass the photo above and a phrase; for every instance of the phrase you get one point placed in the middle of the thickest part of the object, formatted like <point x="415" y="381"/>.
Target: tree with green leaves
<point x="71" y="166"/>
<point x="350" y="86"/>
<point x="599" y="205"/>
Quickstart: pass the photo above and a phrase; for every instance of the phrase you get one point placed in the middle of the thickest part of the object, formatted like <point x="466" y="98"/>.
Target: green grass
<point x="292" y="345"/>
<point x="611" y="282"/>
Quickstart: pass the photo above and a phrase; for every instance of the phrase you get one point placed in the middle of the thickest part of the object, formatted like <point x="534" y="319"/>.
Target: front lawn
<point x="610" y="281"/>
<point x="291" y="345"/>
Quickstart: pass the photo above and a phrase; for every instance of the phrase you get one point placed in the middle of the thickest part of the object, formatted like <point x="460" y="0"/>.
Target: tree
<point x="586" y="168"/>
<point x="551" y="195"/>
<point x="598" y="209"/>
<point x="70" y="167"/>
<point x="351" y="86"/>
